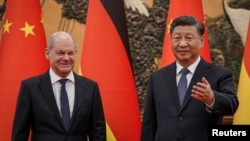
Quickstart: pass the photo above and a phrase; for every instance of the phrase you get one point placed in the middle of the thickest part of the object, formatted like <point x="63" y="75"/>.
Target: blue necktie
<point x="182" y="85"/>
<point x="64" y="104"/>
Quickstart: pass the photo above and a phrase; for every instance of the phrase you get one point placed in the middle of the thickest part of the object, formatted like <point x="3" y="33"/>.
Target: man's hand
<point x="203" y="92"/>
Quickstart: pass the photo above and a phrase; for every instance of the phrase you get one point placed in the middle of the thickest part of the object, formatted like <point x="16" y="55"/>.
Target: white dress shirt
<point x="70" y="88"/>
<point x="189" y="76"/>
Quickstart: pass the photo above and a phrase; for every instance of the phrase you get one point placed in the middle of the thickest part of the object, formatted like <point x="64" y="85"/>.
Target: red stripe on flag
<point x="242" y="115"/>
<point x="105" y="60"/>
<point x="247" y="52"/>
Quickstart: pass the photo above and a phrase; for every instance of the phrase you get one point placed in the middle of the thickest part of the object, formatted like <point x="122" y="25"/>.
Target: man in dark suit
<point x="40" y="107"/>
<point x="210" y="91"/>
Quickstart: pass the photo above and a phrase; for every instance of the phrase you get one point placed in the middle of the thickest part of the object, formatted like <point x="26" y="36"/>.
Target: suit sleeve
<point x="21" y="123"/>
<point x="98" y="125"/>
<point x="226" y="101"/>
<point x="149" y="115"/>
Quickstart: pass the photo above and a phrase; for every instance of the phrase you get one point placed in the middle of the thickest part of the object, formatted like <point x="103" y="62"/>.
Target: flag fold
<point x="106" y="59"/>
<point x="242" y="115"/>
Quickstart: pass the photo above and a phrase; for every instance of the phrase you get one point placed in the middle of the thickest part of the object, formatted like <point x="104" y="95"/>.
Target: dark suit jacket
<point x="37" y="109"/>
<point x="165" y="120"/>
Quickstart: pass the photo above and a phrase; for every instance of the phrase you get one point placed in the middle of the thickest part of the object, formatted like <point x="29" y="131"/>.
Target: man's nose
<point x="66" y="56"/>
<point x="183" y="42"/>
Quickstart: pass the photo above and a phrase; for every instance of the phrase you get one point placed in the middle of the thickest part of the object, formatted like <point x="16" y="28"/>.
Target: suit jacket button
<point x="180" y="118"/>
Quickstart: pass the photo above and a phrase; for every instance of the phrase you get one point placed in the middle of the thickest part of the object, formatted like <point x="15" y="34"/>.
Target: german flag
<point x="242" y="115"/>
<point x="22" y="54"/>
<point x="106" y="59"/>
<point x="178" y="8"/>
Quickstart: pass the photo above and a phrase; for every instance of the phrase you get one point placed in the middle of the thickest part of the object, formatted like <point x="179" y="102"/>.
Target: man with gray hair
<point x="59" y="105"/>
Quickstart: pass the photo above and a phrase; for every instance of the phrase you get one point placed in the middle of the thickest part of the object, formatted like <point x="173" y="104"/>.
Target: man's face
<point x="186" y="44"/>
<point x="62" y="56"/>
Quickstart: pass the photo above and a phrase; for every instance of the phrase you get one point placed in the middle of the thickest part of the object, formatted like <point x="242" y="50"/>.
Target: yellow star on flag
<point x="28" y="29"/>
<point x="6" y="26"/>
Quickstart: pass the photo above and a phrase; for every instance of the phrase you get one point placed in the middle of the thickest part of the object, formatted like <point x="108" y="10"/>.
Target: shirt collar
<point x="191" y="67"/>
<point x="54" y="77"/>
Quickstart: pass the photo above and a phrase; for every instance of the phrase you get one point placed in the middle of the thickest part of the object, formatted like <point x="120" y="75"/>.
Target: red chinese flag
<point x="106" y="59"/>
<point x="22" y="54"/>
<point x="178" y="8"/>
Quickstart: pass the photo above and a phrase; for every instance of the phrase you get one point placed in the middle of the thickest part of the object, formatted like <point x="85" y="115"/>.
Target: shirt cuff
<point x="209" y="107"/>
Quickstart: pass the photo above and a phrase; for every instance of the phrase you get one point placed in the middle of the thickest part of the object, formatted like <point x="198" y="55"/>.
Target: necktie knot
<point x="184" y="71"/>
<point x="63" y="81"/>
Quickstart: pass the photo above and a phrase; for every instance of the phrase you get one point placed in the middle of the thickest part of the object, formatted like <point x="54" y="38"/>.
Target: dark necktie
<point x="64" y="104"/>
<point x="182" y="85"/>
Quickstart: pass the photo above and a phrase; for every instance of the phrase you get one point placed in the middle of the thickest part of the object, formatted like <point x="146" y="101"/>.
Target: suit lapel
<point x="170" y="78"/>
<point x="201" y="71"/>
<point x="79" y="93"/>
<point x="48" y="94"/>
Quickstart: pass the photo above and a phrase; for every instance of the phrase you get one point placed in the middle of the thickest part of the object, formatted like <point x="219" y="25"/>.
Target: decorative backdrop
<point x="146" y="34"/>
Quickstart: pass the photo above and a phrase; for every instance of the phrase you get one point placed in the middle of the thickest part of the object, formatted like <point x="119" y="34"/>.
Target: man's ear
<point x="202" y="40"/>
<point x="47" y="53"/>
